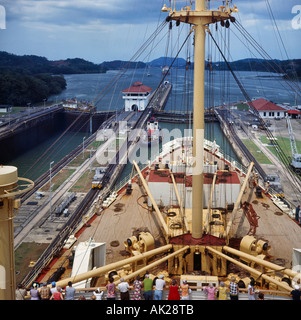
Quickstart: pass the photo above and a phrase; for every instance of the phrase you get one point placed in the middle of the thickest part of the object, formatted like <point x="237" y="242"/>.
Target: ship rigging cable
<point x="146" y="44"/>
<point x="282" y="154"/>
<point x="170" y="66"/>
<point x="268" y="59"/>
<point x="52" y="145"/>
<point x="104" y="91"/>
<point x="293" y="85"/>
<point x="276" y="27"/>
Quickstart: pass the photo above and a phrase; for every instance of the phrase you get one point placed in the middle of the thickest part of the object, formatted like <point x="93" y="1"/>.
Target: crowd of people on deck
<point x="149" y="289"/>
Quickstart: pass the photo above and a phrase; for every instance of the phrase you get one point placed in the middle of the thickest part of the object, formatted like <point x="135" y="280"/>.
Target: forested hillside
<point x="289" y="68"/>
<point x="20" y="88"/>
<point x="30" y="79"/>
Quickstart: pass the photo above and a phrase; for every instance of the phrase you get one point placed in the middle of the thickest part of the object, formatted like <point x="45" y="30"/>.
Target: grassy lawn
<point x="76" y="162"/>
<point x="259" y="156"/>
<point x="284" y="144"/>
<point x="14" y="110"/>
<point x="26" y="252"/>
<point x="242" y="107"/>
<point x="84" y="183"/>
<point x="79" y="160"/>
<point x="58" y="179"/>
<point x="96" y="144"/>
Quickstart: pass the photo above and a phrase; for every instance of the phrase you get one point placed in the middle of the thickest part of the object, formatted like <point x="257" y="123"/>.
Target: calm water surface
<point x="107" y="95"/>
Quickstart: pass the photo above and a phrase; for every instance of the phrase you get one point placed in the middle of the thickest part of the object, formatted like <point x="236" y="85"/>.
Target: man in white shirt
<point x="98" y="294"/>
<point x="160" y="284"/>
<point x="123" y="288"/>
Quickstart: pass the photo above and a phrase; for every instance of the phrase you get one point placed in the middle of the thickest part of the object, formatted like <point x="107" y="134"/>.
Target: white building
<point x="267" y="109"/>
<point x="226" y="191"/>
<point x="136" y="97"/>
<point x="5" y="108"/>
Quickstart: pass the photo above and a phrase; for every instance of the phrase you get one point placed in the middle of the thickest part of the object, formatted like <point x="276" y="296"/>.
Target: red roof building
<point x="267" y="109"/>
<point x="294" y="114"/>
<point x="137" y="87"/>
<point x="136" y="96"/>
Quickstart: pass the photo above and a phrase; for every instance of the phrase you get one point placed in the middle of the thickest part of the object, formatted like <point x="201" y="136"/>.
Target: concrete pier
<point x="160" y="96"/>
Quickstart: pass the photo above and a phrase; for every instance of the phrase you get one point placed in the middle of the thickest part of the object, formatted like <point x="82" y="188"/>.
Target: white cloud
<point x="101" y="30"/>
<point x="282" y="26"/>
<point x="82" y="11"/>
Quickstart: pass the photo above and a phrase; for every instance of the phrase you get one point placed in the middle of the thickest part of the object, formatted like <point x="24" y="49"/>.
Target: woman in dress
<point x="137" y="288"/>
<point x="111" y="289"/>
<point x="34" y="292"/>
<point x="173" y="291"/>
<point x="185" y="290"/>
<point x="222" y="295"/>
<point x="210" y="291"/>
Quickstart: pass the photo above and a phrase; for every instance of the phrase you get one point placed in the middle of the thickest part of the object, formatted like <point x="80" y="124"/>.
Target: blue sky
<point x="98" y="30"/>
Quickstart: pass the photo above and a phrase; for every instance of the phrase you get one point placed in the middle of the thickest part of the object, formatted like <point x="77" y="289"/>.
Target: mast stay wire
<point x="171" y="64"/>
<point x="222" y="79"/>
<point x="115" y="79"/>
<point x="138" y="53"/>
<point x="268" y="59"/>
<point x="244" y="92"/>
<point x="175" y="58"/>
<point x="65" y="131"/>
<point x="56" y="146"/>
<point x="274" y="142"/>
<point x="281" y="154"/>
<point x="277" y="32"/>
<point x="260" y="50"/>
<point x="276" y="27"/>
<point x="111" y="103"/>
<point x="247" y="45"/>
<point x="175" y="48"/>
<point x="134" y="58"/>
<point x="210" y="93"/>
<point x="110" y="84"/>
<point x="147" y="58"/>
<point x="238" y="82"/>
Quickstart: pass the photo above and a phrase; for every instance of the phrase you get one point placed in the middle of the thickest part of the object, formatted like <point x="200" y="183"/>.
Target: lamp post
<point x="91" y="150"/>
<point x="84" y="146"/>
<point x="51" y="163"/>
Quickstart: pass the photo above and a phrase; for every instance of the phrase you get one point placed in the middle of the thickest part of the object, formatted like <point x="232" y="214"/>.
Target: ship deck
<point x="129" y="215"/>
<point x="126" y="216"/>
<point x="275" y="226"/>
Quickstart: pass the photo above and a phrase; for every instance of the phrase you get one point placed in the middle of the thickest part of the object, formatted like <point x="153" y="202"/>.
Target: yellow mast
<point x="8" y="191"/>
<point x="199" y="18"/>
